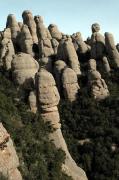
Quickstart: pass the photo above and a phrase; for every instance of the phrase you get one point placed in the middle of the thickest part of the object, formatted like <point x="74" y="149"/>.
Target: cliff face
<point x="42" y="59"/>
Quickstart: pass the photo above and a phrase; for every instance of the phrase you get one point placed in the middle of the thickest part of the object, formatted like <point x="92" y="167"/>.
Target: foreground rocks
<point x="8" y="158"/>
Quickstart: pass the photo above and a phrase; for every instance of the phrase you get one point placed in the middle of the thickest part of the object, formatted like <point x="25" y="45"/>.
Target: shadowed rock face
<point x="95" y="27"/>
<point x="58" y="69"/>
<point x="98" y="87"/>
<point x="80" y="46"/>
<point x="8" y="158"/>
<point x="48" y="99"/>
<point x="7" y="51"/>
<point x="113" y="53"/>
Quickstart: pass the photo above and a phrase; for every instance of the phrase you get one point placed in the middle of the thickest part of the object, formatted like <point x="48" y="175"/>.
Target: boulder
<point x="70" y="84"/>
<point x="24" y="68"/>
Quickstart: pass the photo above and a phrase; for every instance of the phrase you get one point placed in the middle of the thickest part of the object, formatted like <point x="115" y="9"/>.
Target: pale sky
<point x="70" y="15"/>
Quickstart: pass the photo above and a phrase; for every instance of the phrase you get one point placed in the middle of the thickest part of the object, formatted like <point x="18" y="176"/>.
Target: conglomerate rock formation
<point x="48" y="99"/>
<point x="37" y="56"/>
<point x="8" y="158"/>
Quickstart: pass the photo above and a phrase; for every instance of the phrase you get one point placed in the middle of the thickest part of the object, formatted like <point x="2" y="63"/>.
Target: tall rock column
<point x="98" y="48"/>
<point x="44" y="38"/>
<point x="14" y="27"/>
<point x="80" y="46"/>
<point x="48" y="99"/>
<point x="7" y="51"/>
<point x="25" y="40"/>
<point x="67" y="52"/>
<point x="112" y="51"/>
<point x="97" y="85"/>
<point x="28" y="19"/>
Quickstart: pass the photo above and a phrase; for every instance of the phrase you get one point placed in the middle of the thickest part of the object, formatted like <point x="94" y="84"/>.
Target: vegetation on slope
<point x="39" y="159"/>
<point x="99" y="123"/>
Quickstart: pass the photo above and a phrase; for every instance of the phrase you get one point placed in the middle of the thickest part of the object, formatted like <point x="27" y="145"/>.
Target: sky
<point x="70" y="15"/>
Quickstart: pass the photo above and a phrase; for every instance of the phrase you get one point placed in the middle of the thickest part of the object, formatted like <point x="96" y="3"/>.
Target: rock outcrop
<point x="70" y="84"/>
<point x="24" y="68"/>
<point x="48" y="99"/>
<point x="25" y="40"/>
<point x="97" y="43"/>
<point x="7" y="51"/>
<point x="80" y="46"/>
<point x="28" y="19"/>
<point x="8" y="158"/>
<point x="14" y="27"/>
<point x="67" y="52"/>
<point x="113" y="53"/>
<point x="54" y="31"/>
<point x="97" y="85"/>
<point x="58" y="70"/>
<point x="44" y="38"/>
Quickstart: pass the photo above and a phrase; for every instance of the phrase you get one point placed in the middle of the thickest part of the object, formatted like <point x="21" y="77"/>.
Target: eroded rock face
<point x="8" y="158"/>
<point x="54" y="31"/>
<point x="67" y="52"/>
<point x="70" y="84"/>
<point x="48" y="96"/>
<point x="44" y="38"/>
<point x="97" y="43"/>
<point x="14" y="27"/>
<point x="48" y="99"/>
<point x="46" y="63"/>
<point x="80" y="46"/>
<point x="25" y="40"/>
<point x="113" y="53"/>
<point x="7" y="51"/>
<point x="98" y="87"/>
<point x="58" y="69"/>
<point x="24" y="68"/>
<point x="28" y="19"/>
<point x="72" y="57"/>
